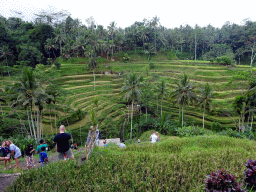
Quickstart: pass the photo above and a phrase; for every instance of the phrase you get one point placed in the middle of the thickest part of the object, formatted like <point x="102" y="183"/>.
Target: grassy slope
<point x="174" y="164"/>
<point x="78" y="83"/>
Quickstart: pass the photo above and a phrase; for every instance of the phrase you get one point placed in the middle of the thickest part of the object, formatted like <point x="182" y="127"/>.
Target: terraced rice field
<point x="80" y="89"/>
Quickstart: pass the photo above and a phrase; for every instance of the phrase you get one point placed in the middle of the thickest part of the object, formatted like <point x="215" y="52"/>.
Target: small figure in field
<point x="15" y="151"/>
<point x="72" y="146"/>
<point x="6" y="155"/>
<point x="62" y="141"/>
<point x="158" y="138"/>
<point x="98" y="136"/>
<point x="122" y="145"/>
<point x="43" y="156"/>
<point x="138" y="140"/>
<point x="29" y="156"/>
<point x="75" y="146"/>
<point x="105" y="143"/>
<point x="153" y="138"/>
<point x="39" y="147"/>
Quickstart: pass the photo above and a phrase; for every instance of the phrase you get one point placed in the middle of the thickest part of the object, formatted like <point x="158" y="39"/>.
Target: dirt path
<point x="7" y="179"/>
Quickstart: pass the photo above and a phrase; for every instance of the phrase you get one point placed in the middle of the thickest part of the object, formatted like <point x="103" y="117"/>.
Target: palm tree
<point x="111" y="31"/>
<point x="143" y="35"/>
<point x="155" y="22"/>
<point x="183" y="94"/>
<point x="60" y="37"/>
<point x="5" y="52"/>
<point x="50" y="46"/>
<point x="162" y="89"/>
<point x="205" y="98"/>
<point x="132" y="90"/>
<point x="1" y="100"/>
<point x="28" y="93"/>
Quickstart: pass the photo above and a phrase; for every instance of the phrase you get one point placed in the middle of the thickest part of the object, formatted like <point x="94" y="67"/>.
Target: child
<point x="6" y="155"/>
<point x="15" y="151"/>
<point x="29" y="155"/>
<point x="105" y="143"/>
<point x="43" y="156"/>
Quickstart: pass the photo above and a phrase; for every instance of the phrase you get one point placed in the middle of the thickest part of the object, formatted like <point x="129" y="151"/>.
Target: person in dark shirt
<point x="62" y="141"/>
<point x="29" y="156"/>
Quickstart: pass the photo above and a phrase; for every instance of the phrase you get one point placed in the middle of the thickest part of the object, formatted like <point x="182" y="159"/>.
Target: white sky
<point x="172" y="13"/>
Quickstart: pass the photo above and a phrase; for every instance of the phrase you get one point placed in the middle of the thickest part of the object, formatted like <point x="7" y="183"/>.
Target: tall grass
<point x="174" y="164"/>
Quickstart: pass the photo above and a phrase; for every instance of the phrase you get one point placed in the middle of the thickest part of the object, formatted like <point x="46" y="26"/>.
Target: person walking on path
<point x="15" y="151"/>
<point x="39" y="147"/>
<point x="6" y="155"/>
<point x="43" y="156"/>
<point x="29" y="156"/>
<point x="62" y="141"/>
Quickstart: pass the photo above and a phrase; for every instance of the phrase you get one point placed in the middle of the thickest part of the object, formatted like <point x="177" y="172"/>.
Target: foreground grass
<point x="174" y="164"/>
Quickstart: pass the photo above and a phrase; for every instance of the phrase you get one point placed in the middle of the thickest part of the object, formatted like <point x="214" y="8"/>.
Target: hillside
<point x="78" y="84"/>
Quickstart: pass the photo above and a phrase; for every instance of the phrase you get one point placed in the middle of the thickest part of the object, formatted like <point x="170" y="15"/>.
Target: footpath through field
<point x="7" y="179"/>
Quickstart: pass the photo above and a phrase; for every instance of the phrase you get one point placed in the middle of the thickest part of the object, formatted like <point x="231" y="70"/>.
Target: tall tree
<point x="5" y="52"/>
<point x="111" y="31"/>
<point x="205" y="98"/>
<point x="132" y="90"/>
<point x="183" y="94"/>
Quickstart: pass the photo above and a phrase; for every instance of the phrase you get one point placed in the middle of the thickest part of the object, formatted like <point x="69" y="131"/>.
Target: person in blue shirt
<point x="105" y="143"/>
<point x="43" y="156"/>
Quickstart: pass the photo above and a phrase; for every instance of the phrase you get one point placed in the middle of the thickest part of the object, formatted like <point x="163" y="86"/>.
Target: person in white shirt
<point x="122" y="145"/>
<point x="153" y="138"/>
<point x="15" y="151"/>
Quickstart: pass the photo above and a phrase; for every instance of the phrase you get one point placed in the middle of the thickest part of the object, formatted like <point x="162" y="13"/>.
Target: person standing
<point x="15" y="151"/>
<point x="29" y="156"/>
<point x="43" y="156"/>
<point x="39" y="147"/>
<point x="153" y="138"/>
<point x="6" y="155"/>
<point x="62" y="141"/>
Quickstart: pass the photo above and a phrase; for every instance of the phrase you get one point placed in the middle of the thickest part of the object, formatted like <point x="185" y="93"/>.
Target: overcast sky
<point x="124" y="13"/>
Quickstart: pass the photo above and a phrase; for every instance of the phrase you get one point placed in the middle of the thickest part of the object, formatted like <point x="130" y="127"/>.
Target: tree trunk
<point x="182" y="115"/>
<point x="31" y="133"/>
<point x="8" y="68"/>
<point x="33" y="126"/>
<point x="203" y="115"/>
<point x="94" y="79"/>
<point x="112" y="47"/>
<point x="131" y="121"/>
<point x="252" y="121"/>
<point x="161" y="107"/>
<point x="146" y="113"/>
<point x="195" y="47"/>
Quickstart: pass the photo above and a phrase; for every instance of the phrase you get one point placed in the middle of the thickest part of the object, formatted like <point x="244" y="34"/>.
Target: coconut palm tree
<point x="132" y="90"/>
<point x="5" y="52"/>
<point x="60" y="37"/>
<point x="111" y="31"/>
<point x="161" y="92"/>
<point x="205" y="98"/>
<point x="29" y="93"/>
<point x="183" y="94"/>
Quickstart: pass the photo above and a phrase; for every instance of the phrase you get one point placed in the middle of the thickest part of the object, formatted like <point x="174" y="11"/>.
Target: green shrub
<point x="57" y="64"/>
<point x="216" y="126"/>
<point x="172" y="56"/>
<point x="151" y="65"/>
<point x="224" y="60"/>
<point x="190" y="131"/>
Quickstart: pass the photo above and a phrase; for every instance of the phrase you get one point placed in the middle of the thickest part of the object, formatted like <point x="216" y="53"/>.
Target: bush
<point x="224" y="60"/>
<point x="190" y="131"/>
<point x="232" y="133"/>
<point x="172" y="56"/>
<point x="57" y="64"/>
<point x="250" y="174"/>
<point x="216" y="127"/>
<point x="151" y="65"/>
<point x="222" y="181"/>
